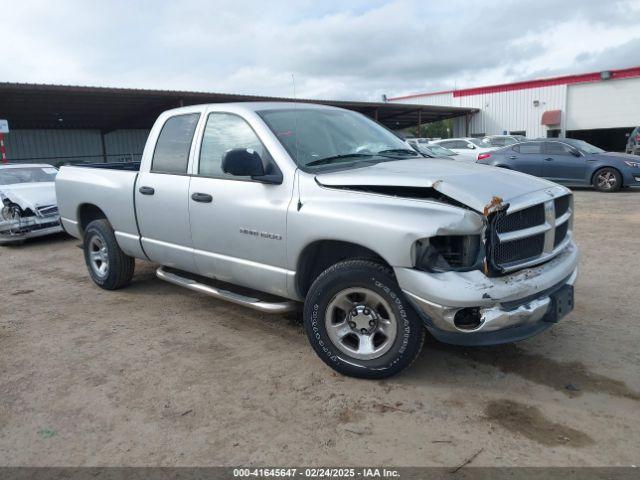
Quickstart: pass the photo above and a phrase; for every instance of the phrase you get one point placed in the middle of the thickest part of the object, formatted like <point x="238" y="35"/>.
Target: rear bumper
<point x="509" y="308"/>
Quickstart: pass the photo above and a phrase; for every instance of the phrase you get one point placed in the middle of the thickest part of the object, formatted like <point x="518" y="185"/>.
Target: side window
<point x="447" y="144"/>
<point x="557" y="148"/>
<point x="529" y="148"/>
<point x="224" y="132"/>
<point x="171" y="154"/>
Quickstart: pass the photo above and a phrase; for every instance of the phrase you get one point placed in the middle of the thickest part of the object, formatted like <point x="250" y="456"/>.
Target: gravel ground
<point x="156" y="375"/>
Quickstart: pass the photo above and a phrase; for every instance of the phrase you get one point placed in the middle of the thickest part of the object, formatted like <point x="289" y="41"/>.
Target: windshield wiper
<point x="405" y="151"/>
<point x="325" y="160"/>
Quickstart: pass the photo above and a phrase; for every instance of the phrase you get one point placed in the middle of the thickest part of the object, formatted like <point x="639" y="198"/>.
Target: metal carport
<point x="39" y="113"/>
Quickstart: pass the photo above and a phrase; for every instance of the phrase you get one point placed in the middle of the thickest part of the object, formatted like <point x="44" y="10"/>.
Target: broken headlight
<point x="449" y="253"/>
<point x="10" y="212"/>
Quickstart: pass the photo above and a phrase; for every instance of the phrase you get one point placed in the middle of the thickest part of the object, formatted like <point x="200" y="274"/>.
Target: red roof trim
<point x="543" y="82"/>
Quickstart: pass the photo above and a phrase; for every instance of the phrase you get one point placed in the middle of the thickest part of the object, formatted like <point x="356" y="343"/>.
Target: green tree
<point x="439" y="129"/>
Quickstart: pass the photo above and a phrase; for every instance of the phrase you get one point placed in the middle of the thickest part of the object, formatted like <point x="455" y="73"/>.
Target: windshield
<point x="316" y="137"/>
<point x="438" y="150"/>
<point x="478" y="142"/>
<point x="585" y="147"/>
<point x="12" y="176"/>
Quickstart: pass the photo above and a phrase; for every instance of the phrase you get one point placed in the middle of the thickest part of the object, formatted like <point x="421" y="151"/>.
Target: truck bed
<point x="108" y="187"/>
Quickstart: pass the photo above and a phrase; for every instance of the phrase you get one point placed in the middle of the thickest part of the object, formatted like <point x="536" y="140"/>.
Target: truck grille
<point x="47" y="210"/>
<point x="528" y="236"/>
<point x="519" y="250"/>
<point x="529" y="217"/>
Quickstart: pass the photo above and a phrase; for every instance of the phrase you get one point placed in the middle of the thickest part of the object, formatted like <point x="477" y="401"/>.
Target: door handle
<point x="512" y="157"/>
<point x="201" y="197"/>
<point x="146" y="190"/>
<point x="548" y="159"/>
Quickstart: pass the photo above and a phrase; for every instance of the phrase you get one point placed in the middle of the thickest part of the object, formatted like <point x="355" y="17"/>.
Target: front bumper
<point x="15" y="231"/>
<point x="509" y="308"/>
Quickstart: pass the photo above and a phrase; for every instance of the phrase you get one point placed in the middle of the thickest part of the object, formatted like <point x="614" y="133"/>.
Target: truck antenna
<point x="295" y="131"/>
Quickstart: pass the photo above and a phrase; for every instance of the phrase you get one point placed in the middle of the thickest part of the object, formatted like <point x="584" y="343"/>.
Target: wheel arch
<point x="87" y="213"/>
<point x="319" y="255"/>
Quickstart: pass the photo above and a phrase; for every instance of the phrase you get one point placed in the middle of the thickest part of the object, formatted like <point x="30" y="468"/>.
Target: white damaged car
<point x="28" y="196"/>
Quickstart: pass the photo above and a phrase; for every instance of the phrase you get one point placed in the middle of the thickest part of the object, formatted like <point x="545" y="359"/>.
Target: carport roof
<point x="61" y="106"/>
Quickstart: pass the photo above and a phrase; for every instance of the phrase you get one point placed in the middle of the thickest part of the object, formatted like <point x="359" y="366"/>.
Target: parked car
<point x="503" y="140"/>
<point x="290" y="203"/>
<point x="570" y="162"/>
<point x="467" y="148"/>
<point x="432" y="150"/>
<point x="633" y="142"/>
<point x="28" y="196"/>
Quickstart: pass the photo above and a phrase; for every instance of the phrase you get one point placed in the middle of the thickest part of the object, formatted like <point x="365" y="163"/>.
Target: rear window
<point x="174" y="143"/>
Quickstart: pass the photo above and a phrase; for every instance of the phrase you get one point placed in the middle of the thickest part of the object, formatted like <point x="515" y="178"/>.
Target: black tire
<point x="119" y="267"/>
<point x="613" y="183"/>
<point x="374" y="277"/>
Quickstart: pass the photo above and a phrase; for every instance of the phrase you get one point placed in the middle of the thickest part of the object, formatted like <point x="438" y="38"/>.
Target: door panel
<point x="560" y="165"/>
<point x="163" y="219"/>
<point x="240" y="236"/>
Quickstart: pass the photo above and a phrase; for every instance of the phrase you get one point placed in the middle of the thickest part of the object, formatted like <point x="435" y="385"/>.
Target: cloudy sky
<point x="334" y="49"/>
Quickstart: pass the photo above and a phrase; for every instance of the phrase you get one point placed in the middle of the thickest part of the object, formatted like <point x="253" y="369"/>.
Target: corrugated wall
<point x="59" y="146"/>
<point x="514" y="110"/>
<point x="503" y="111"/>
<point x="122" y="142"/>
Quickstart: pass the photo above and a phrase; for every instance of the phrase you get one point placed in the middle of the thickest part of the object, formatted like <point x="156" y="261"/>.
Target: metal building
<point x="599" y="107"/>
<point x="68" y="124"/>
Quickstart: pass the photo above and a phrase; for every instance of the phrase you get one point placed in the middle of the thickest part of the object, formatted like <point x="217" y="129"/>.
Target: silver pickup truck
<point x="274" y="205"/>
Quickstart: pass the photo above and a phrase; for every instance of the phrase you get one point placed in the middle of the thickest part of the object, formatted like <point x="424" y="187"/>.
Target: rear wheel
<point x="359" y="322"/>
<point x="109" y="267"/>
<point x="607" y="180"/>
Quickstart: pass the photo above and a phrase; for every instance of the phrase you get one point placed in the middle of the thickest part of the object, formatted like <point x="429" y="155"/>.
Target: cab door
<point x="561" y="164"/>
<point x="238" y="225"/>
<point x="162" y="195"/>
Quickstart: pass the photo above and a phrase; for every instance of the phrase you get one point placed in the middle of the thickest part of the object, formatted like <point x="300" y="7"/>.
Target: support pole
<point x="3" y="151"/>
<point x="419" y="123"/>
<point x="104" y="147"/>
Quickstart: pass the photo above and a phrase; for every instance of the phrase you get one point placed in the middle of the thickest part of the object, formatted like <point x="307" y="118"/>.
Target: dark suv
<point x="568" y="161"/>
<point x="633" y="142"/>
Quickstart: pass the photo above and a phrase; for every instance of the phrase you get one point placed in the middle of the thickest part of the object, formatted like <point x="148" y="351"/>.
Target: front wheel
<point x="109" y="267"/>
<point x="359" y="323"/>
<point x="607" y="180"/>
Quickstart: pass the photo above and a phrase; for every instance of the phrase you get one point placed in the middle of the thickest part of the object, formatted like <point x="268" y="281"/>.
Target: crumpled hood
<point x="30" y="195"/>
<point x="468" y="183"/>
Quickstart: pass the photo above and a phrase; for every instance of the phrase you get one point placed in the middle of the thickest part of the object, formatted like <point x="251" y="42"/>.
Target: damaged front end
<point x="18" y="223"/>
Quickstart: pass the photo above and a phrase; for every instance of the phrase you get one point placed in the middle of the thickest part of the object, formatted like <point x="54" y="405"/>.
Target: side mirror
<point x="245" y="162"/>
<point x="575" y="152"/>
<point x="472" y="147"/>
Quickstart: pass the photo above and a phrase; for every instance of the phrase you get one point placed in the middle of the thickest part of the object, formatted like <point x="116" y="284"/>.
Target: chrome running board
<point x="238" y="299"/>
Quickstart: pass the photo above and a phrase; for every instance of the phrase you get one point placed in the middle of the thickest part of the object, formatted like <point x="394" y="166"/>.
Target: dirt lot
<point x="156" y="375"/>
